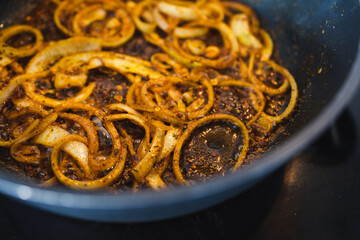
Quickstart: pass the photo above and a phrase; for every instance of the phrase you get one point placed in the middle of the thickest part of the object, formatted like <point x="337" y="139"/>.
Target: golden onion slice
<point x="62" y="48"/>
<point x="138" y="12"/>
<point x="77" y="150"/>
<point x="242" y="8"/>
<point x="30" y="90"/>
<point x="241" y="27"/>
<point x="147" y="162"/>
<point x="119" y="153"/>
<point x="23" y="51"/>
<point x="267" y="50"/>
<point x="5" y="92"/>
<point x="138" y="120"/>
<point x="154" y="180"/>
<point x="4" y="61"/>
<point x="168" y="66"/>
<point x="294" y="93"/>
<point x="116" y="30"/>
<point x="118" y="62"/>
<point x="106" y="20"/>
<point x="190" y="32"/>
<point x="186" y="13"/>
<point x="170" y="140"/>
<point x="230" y="51"/>
<point x="50" y="136"/>
<point x="15" y="149"/>
<point x="262" y="86"/>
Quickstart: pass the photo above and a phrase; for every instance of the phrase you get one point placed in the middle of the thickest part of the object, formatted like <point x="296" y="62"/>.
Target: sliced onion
<point x="176" y="11"/>
<point x="52" y="53"/>
<point x="119" y="153"/>
<point x="24" y="51"/>
<point x="241" y="27"/>
<point x="146" y="164"/>
<point x="15" y="82"/>
<point x="190" y="32"/>
<point x="118" y="29"/>
<point x="77" y="150"/>
<point x="50" y="136"/>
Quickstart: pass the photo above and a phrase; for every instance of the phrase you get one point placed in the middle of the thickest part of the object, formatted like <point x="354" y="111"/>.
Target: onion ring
<point x="201" y="122"/>
<point x="24" y="51"/>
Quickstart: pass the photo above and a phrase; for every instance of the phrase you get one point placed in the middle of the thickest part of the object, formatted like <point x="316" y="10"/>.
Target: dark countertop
<point x="315" y="196"/>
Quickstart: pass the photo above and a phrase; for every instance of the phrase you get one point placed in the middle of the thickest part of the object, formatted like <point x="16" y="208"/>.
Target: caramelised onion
<point x="104" y="19"/>
<point x="23" y="51"/>
<point x="77" y="150"/>
<point x="206" y="45"/>
<point x="41" y="61"/>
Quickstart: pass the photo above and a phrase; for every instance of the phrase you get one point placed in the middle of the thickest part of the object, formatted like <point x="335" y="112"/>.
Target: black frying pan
<point x="317" y="40"/>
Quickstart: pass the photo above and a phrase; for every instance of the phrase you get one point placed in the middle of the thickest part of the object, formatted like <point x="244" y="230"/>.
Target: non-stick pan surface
<point x="317" y="40"/>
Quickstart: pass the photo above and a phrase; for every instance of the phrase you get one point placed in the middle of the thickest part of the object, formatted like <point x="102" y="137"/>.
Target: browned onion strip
<point x="119" y="153"/>
<point x="147" y="100"/>
<point x="137" y="11"/>
<point x="4" y="60"/>
<point x="170" y="141"/>
<point x="27" y="110"/>
<point x="153" y="179"/>
<point x="118" y="62"/>
<point x="130" y="97"/>
<point x="155" y="123"/>
<point x="211" y="11"/>
<point x="201" y="122"/>
<point x="134" y="100"/>
<point x="190" y="60"/>
<point x="21" y="136"/>
<point x="24" y="51"/>
<point x="14" y="83"/>
<point x="180" y="10"/>
<point x="129" y="141"/>
<point x="92" y="137"/>
<point x="62" y="6"/>
<point x="80" y="106"/>
<point x="37" y="128"/>
<point x="166" y="65"/>
<point x="147" y="162"/>
<point x="4" y="72"/>
<point x="294" y="93"/>
<point x="210" y="101"/>
<point x="144" y="146"/>
<point x="164" y="115"/>
<point x="190" y="32"/>
<point x="50" y="54"/>
<point x="82" y="95"/>
<point x="244" y="9"/>
<point x="160" y="20"/>
<point x="264" y="88"/>
<point x="267" y="51"/>
<point x="118" y="30"/>
<point x="240" y="26"/>
<point x="161" y="167"/>
<point x="123" y="107"/>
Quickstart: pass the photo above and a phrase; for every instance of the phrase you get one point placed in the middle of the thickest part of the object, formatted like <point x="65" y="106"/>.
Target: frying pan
<point x="317" y="40"/>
